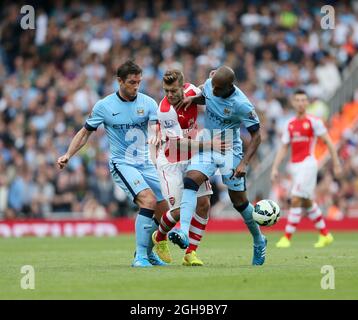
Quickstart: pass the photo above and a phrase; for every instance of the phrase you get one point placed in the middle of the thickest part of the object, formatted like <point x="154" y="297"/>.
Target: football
<point x="266" y="212"/>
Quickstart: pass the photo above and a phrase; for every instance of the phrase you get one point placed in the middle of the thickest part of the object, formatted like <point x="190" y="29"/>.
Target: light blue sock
<point x="153" y="228"/>
<point x="187" y="209"/>
<point x="143" y="225"/>
<point x="246" y="212"/>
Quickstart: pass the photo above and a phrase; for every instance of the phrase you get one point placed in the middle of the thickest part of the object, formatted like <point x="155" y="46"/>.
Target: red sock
<point x="196" y="231"/>
<point x="167" y="223"/>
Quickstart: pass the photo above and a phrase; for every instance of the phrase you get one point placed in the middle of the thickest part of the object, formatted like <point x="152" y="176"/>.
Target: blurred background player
<point x="227" y="108"/>
<point x="126" y="115"/>
<point x="179" y="129"/>
<point x="301" y="133"/>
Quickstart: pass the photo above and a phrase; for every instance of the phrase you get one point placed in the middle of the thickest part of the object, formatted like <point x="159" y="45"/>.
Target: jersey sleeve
<point x="249" y="117"/>
<point x="318" y="127"/>
<point x="169" y="124"/>
<point x="206" y="88"/>
<point x="153" y="108"/>
<point x="96" y="118"/>
<point x="285" y="135"/>
<point x="196" y="90"/>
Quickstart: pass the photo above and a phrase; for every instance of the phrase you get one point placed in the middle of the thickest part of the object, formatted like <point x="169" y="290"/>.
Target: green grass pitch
<point x="99" y="268"/>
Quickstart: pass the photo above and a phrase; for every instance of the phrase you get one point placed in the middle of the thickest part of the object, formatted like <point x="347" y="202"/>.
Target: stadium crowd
<point x="50" y="78"/>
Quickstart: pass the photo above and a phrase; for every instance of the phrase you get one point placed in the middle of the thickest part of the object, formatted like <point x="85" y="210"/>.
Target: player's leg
<point x="132" y="182"/>
<point x="150" y="175"/>
<point x="293" y="219"/>
<point x="245" y="208"/>
<point x="201" y="167"/>
<point x="315" y="214"/>
<point x="192" y="182"/>
<point x="171" y="181"/>
<point x="198" y="224"/>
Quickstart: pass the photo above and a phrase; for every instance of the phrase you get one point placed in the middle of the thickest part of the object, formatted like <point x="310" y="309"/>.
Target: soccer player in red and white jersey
<point x="301" y="133"/>
<point x="179" y="129"/>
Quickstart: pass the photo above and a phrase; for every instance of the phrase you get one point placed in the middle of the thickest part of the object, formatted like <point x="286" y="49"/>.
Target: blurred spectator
<point x="50" y="78"/>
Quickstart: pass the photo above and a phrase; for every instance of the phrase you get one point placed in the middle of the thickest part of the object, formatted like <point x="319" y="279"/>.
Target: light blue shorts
<point x="134" y="179"/>
<point x="209" y="162"/>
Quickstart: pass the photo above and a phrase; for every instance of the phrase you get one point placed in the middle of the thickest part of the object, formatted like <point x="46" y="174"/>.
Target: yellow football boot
<point x="190" y="259"/>
<point x="324" y="241"/>
<point x="284" y="242"/>
<point x="162" y="249"/>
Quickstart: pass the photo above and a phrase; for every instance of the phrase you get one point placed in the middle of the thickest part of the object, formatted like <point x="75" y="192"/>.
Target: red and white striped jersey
<point x="178" y="123"/>
<point x="302" y="134"/>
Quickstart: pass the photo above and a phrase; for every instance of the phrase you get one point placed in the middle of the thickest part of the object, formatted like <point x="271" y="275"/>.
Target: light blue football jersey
<point x="229" y="113"/>
<point x="126" y="125"/>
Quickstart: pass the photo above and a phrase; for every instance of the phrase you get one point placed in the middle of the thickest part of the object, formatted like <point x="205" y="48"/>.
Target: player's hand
<point x="184" y="104"/>
<point x="211" y="74"/>
<point x="241" y="170"/>
<point x="274" y="175"/>
<point x="154" y="140"/>
<point x="220" y="145"/>
<point x="62" y="161"/>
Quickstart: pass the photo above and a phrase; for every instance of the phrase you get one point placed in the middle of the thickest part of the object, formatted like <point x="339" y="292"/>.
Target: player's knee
<point x="190" y="184"/>
<point x="241" y="205"/>
<point x="296" y="202"/>
<point x="146" y="199"/>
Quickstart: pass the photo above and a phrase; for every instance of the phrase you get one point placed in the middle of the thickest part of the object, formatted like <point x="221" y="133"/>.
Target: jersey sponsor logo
<point x="300" y="138"/>
<point x="127" y="126"/>
<point x="217" y="119"/>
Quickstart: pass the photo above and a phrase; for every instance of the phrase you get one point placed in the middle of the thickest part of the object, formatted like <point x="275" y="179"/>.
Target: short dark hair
<point x="173" y="75"/>
<point x="300" y="91"/>
<point x="127" y="68"/>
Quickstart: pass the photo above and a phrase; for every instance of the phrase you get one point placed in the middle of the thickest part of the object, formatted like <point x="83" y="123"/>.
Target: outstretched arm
<point x="78" y="141"/>
<point x="187" y="101"/>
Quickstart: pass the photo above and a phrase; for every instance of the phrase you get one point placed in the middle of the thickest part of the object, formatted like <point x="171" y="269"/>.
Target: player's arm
<point x="337" y="169"/>
<point x="154" y="135"/>
<point x="153" y="123"/>
<point x="187" y="101"/>
<point x="78" y="141"/>
<point x="255" y="134"/>
<point x="247" y="116"/>
<point x="281" y="154"/>
<point x="216" y="144"/>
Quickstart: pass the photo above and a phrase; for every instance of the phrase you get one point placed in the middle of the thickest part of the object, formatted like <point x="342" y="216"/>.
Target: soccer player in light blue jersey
<point x="126" y="116"/>
<point x="227" y="108"/>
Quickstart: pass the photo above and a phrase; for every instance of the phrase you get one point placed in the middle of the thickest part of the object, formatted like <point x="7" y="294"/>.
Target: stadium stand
<point x="50" y="78"/>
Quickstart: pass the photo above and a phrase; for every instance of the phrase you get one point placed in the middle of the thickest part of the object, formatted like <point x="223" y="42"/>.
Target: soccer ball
<point x="266" y="212"/>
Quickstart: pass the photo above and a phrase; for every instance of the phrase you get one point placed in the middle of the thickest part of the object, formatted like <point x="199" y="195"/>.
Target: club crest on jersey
<point x="227" y="111"/>
<point x="172" y="201"/>
<point x="306" y="125"/>
<point x="136" y="182"/>
<point x="140" y="112"/>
